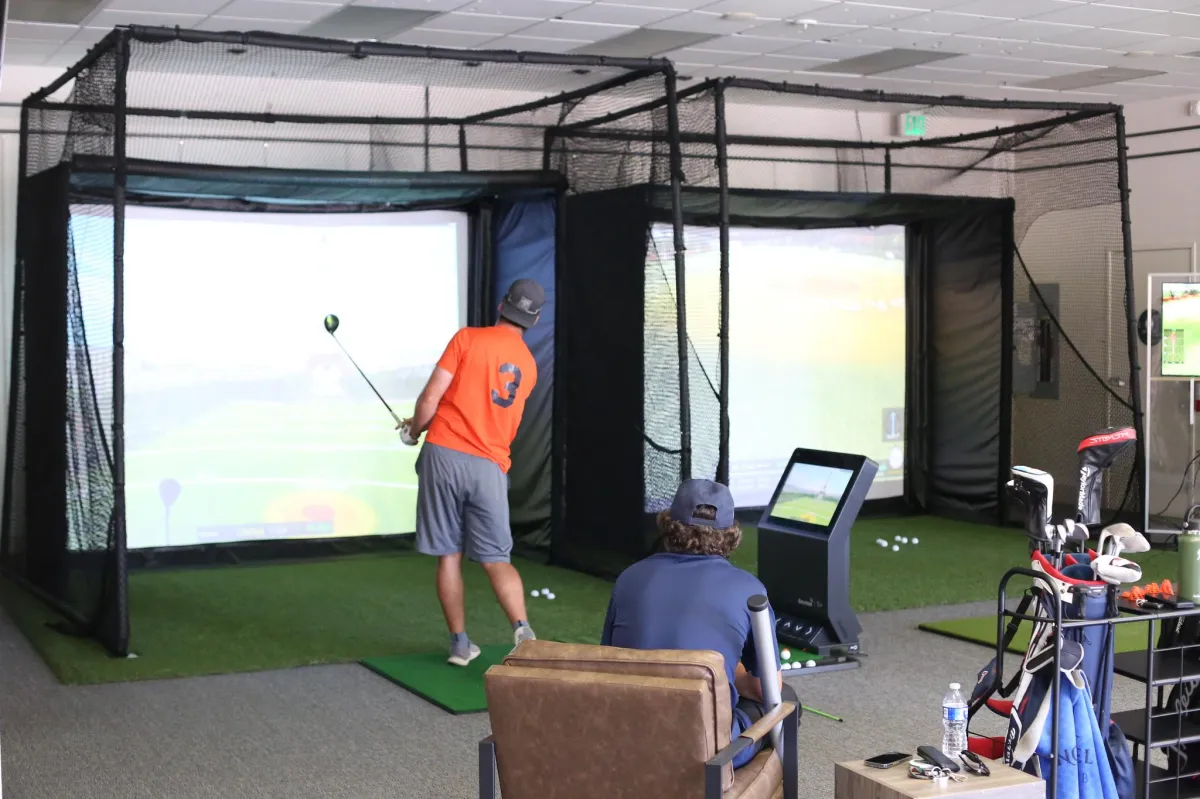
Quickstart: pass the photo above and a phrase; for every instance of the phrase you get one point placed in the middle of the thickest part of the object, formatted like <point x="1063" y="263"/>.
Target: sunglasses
<point x="974" y="763"/>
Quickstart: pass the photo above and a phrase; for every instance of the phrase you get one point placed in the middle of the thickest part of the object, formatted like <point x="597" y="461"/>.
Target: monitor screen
<point x="811" y="494"/>
<point x="1181" y="330"/>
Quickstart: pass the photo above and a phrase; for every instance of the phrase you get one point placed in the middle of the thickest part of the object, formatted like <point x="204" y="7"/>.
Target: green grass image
<point x="320" y="468"/>
<point x="805" y="508"/>
<point x="1181" y="333"/>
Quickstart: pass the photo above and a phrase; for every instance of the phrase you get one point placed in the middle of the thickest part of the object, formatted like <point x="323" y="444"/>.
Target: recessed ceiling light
<point x="739" y="16"/>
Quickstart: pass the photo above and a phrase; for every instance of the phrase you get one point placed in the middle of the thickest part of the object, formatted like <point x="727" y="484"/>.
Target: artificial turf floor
<point x="248" y="618"/>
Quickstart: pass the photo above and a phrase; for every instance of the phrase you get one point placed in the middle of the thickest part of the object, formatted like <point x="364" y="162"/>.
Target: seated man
<point x="691" y="597"/>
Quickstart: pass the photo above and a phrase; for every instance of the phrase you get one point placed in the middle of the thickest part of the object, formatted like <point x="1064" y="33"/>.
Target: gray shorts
<point x="462" y="506"/>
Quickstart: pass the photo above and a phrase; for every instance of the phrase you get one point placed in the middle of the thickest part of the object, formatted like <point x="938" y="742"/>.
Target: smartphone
<point x="888" y="760"/>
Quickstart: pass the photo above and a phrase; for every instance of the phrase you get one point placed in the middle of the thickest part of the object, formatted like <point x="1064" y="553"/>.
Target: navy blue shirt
<point x="672" y="601"/>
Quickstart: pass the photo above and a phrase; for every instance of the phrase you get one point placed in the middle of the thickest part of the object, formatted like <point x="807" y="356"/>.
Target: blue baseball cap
<point x="694" y="493"/>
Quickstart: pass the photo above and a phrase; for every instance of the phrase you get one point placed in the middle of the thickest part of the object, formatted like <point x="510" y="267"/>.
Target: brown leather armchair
<point x="573" y="721"/>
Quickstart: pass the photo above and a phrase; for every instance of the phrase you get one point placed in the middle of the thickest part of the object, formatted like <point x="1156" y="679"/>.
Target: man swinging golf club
<point x="472" y="407"/>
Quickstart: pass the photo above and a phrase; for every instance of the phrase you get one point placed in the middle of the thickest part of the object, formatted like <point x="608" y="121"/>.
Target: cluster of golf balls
<point x="785" y="656"/>
<point x="900" y="539"/>
<point x="545" y="593"/>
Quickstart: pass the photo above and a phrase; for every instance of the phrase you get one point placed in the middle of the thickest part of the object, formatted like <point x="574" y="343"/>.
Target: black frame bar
<point x="1135" y="380"/>
<point x="723" y="234"/>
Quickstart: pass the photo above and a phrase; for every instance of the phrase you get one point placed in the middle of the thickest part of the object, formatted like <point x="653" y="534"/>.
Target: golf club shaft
<point x="822" y="713"/>
<point x="364" y="377"/>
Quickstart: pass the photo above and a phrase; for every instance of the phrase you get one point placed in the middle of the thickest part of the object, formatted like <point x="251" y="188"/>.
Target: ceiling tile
<point x="885" y="61"/>
<point x="67" y="55"/>
<point x="1025" y="31"/>
<point x="947" y="22"/>
<point x="769" y="9"/>
<point x="110" y="18"/>
<point x="1155" y="5"/>
<point x="292" y="10"/>
<point x="804" y="32"/>
<point x="613" y="14"/>
<point x="681" y="5"/>
<point x="495" y="24"/>
<point x="421" y="37"/>
<point x="89" y="36"/>
<point x="37" y="31"/>
<point x="694" y="55"/>
<point x="1098" y="37"/>
<point x="863" y="14"/>
<point x="25" y="51"/>
<point x="201" y="7"/>
<point x="1172" y="23"/>
<point x="1094" y="15"/>
<point x="542" y="9"/>
<point x="534" y="45"/>
<point x="575" y="31"/>
<point x="418" y="5"/>
<point x="889" y="37"/>
<point x="939" y="74"/>
<point x="1011" y="66"/>
<point x="830" y="51"/>
<point x="242" y="24"/>
<point x="745" y="43"/>
<point x="643" y="42"/>
<point x="778" y="63"/>
<point x="1010" y="9"/>
<point x="703" y="22"/>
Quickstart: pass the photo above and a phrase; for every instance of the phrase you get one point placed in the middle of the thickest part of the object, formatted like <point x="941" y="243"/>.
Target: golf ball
<point x="904" y="540"/>
<point x="534" y="592"/>
<point x="549" y="596"/>
<point x="895" y="547"/>
<point x="811" y="663"/>
<point x="785" y="654"/>
<point x="897" y="538"/>
<point x="545" y="591"/>
<point x="916" y="540"/>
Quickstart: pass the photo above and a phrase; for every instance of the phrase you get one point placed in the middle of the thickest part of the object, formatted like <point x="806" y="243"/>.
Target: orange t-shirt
<point x="479" y="414"/>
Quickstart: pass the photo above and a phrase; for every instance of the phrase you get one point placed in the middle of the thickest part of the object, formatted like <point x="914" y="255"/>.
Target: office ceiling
<point x="1119" y="51"/>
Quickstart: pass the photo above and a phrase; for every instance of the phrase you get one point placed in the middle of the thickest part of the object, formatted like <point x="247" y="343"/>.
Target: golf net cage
<point x="1062" y="164"/>
<point x="254" y="100"/>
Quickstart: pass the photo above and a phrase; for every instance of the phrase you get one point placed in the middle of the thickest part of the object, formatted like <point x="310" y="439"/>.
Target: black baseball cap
<point x="694" y="493"/>
<point x="523" y="302"/>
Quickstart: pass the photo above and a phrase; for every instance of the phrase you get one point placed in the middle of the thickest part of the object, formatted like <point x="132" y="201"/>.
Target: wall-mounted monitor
<point x="1180" y="345"/>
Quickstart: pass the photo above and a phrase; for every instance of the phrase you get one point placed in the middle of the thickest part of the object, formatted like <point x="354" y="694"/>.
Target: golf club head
<point x="1123" y="538"/>
<point x="1034" y="490"/>
<point x="1116" y="571"/>
<point x="331" y="324"/>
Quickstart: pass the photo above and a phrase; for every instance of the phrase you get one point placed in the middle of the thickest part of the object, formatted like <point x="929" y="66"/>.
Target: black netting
<point x="258" y="100"/>
<point x="1060" y="166"/>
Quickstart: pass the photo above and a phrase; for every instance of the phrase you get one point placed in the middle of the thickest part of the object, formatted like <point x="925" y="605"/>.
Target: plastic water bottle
<point x="954" y="722"/>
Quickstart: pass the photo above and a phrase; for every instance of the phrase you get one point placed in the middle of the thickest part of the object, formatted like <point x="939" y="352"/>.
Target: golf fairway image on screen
<point x="811" y="494"/>
<point x="1181" y="330"/>
<point x="244" y="419"/>
<point x="817" y="348"/>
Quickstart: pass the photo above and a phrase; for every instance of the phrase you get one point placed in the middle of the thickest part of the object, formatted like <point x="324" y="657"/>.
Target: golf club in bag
<point x="1086" y="585"/>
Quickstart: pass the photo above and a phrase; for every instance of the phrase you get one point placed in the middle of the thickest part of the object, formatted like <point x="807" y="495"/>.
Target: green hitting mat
<point x="1131" y="637"/>
<point x="455" y="689"/>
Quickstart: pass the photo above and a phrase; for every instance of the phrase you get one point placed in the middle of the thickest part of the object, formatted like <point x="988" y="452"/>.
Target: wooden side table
<point x="854" y="780"/>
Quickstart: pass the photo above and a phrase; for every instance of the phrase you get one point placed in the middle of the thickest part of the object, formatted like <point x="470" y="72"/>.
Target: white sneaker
<point x="462" y="654"/>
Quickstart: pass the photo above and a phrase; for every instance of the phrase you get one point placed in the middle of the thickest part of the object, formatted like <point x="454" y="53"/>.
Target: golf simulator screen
<point x="244" y="419"/>
<point x="817" y="346"/>
<point x="811" y="494"/>
<point x="1181" y="330"/>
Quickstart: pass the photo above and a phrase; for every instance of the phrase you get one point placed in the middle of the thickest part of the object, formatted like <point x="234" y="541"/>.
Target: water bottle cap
<point x="954" y="686"/>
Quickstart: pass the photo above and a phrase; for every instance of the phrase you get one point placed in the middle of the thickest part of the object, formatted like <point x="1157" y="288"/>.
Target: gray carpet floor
<point x="341" y="731"/>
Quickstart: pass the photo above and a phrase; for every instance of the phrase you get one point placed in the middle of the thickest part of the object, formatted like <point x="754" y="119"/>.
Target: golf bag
<point x="1086" y="675"/>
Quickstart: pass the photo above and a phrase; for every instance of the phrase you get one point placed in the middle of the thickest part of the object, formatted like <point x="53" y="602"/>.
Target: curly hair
<point x="696" y="539"/>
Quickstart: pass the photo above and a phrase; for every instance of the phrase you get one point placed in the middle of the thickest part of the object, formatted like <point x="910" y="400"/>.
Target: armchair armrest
<point x="786" y="712"/>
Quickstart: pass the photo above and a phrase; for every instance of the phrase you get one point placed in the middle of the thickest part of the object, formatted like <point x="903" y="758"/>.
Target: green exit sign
<point x="912" y="125"/>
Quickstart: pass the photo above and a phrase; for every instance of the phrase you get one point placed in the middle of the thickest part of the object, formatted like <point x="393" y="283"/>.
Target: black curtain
<point x="957" y="382"/>
<point x="604" y="276"/>
<point x="524" y="246"/>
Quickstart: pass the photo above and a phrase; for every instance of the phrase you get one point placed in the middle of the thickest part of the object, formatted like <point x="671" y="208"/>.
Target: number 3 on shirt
<point x="510" y="388"/>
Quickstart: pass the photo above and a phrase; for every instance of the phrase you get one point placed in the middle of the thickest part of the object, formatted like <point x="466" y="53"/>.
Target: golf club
<point x="331" y="326"/>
